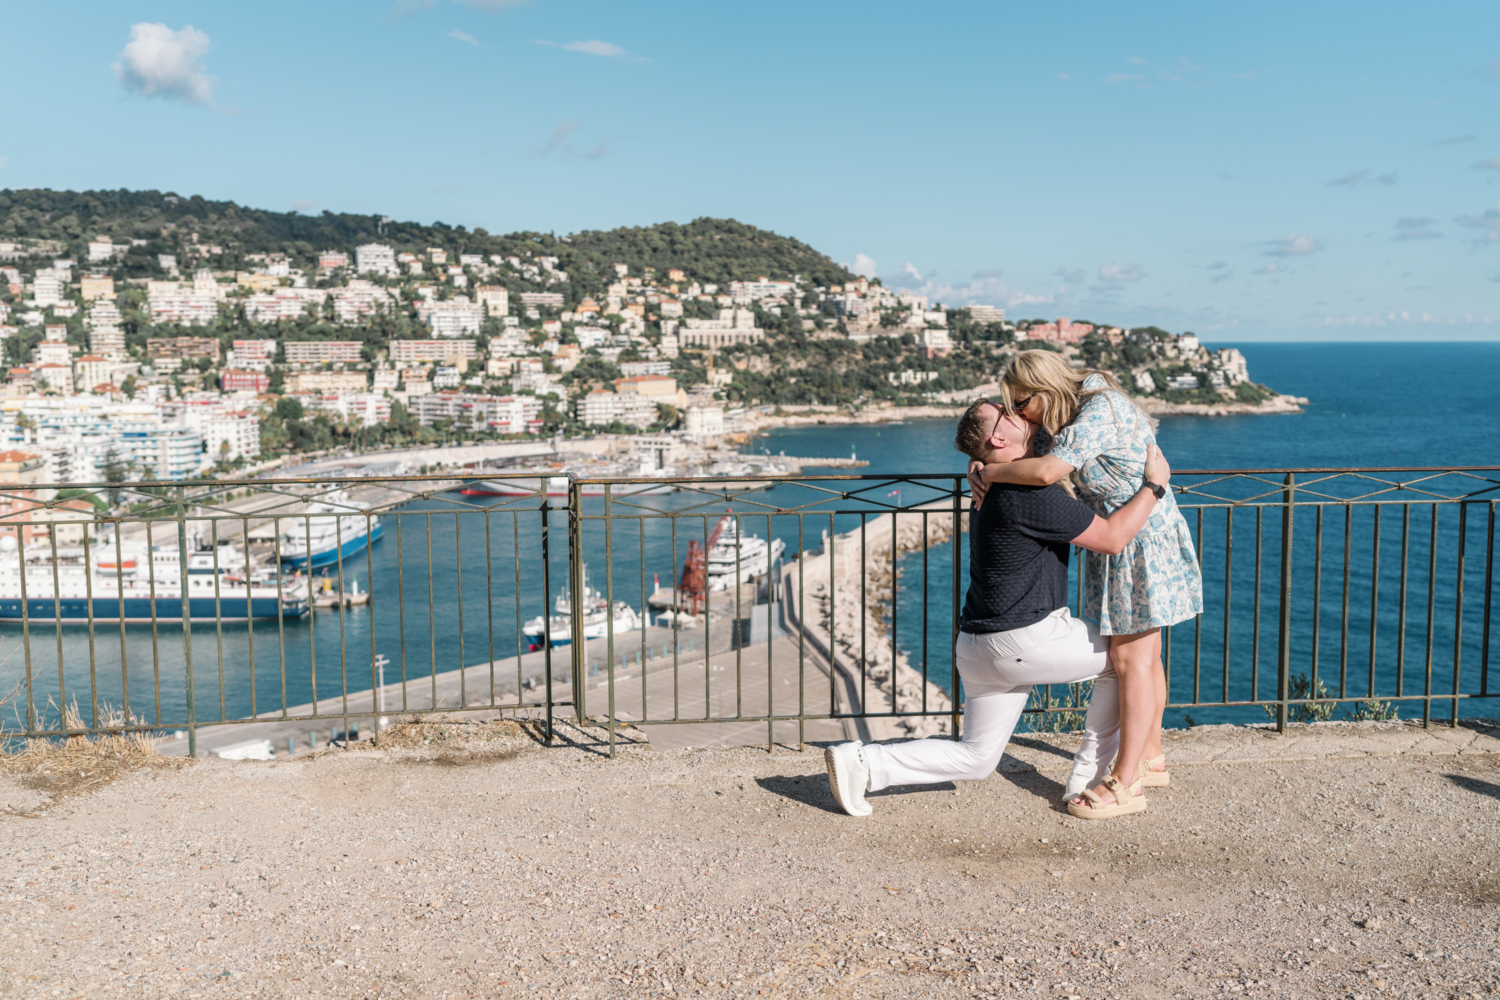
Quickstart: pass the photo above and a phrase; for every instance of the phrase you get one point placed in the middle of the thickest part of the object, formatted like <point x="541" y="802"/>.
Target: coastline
<point x="759" y="419"/>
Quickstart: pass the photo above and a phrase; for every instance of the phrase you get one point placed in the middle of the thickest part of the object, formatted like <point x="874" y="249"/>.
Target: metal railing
<point x="272" y="611"/>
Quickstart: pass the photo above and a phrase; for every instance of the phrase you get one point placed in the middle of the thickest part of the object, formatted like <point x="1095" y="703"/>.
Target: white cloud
<point x="560" y="135"/>
<point x="1136" y="60"/>
<point x="1415" y="228"/>
<point x="593" y="48"/>
<point x="1295" y="245"/>
<point x="1493" y="163"/>
<point x="160" y="62"/>
<point x="1075" y="276"/>
<point x="1271" y="268"/>
<point x="864" y="266"/>
<point x="1489" y="222"/>
<point x="1115" y="273"/>
<point x="463" y="36"/>
<point x="561" y="141"/>
<point x="909" y="270"/>
<point x="303" y="205"/>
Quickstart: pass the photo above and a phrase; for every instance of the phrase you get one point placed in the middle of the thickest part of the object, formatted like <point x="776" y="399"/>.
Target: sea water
<point x="1370" y="405"/>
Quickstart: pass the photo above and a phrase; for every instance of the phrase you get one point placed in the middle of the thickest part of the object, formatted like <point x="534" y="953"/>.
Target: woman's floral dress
<point x="1156" y="580"/>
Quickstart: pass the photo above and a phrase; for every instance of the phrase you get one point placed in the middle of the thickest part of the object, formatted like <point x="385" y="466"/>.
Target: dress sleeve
<point x="1096" y="430"/>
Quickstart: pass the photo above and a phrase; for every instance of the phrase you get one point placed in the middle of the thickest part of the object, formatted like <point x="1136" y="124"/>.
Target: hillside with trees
<point x="713" y="250"/>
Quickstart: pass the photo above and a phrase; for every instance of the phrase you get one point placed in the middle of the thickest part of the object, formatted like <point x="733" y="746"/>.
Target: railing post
<point x="954" y="703"/>
<point x="575" y="586"/>
<point x="546" y="614"/>
<point x="185" y="608"/>
<point x="1284" y="624"/>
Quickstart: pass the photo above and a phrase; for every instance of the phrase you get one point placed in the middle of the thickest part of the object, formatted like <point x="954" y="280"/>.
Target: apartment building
<point x="254" y="355"/>
<point x="96" y="286"/>
<point x="731" y="326"/>
<point x="90" y="371"/>
<point x="182" y="347"/>
<point x="542" y="300"/>
<point x="319" y="352"/>
<point x="50" y="288"/>
<point x="629" y="368"/>
<point x="376" y="258"/>
<point x="456" y="317"/>
<point x="494" y="299"/>
<point x="327" y="381"/>
<point x="57" y="377"/>
<point x="108" y="341"/>
<point x="601" y="408"/>
<point x="283" y="303"/>
<point x="501" y="414"/>
<point x="357" y="300"/>
<point x="403" y="351"/>
<point x="241" y="380"/>
<point x="367" y="408"/>
<point x="332" y="260"/>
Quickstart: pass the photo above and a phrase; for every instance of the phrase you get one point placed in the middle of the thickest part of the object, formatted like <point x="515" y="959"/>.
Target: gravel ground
<point x="468" y="861"/>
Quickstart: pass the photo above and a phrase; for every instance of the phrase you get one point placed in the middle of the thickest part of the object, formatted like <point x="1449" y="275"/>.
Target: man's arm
<point x="1110" y="535"/>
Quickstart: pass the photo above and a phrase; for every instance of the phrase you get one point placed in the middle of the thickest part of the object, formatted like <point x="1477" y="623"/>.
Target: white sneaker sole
<point x="839" y="782"/>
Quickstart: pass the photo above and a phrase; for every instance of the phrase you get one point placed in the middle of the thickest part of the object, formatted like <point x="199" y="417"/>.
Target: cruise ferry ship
<point x="329" y="531"/>
<point x="143" y="586"/>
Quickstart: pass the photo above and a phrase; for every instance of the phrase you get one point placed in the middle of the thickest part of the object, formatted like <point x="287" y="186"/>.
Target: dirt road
<point x="1337" y="861"/>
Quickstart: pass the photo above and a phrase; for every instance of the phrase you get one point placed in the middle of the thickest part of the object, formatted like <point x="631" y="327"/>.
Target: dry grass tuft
<point x="78" y="764"/>
<point x="413" y="734"/>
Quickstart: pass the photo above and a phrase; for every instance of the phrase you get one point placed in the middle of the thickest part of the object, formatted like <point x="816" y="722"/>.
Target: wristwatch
<point x="1156" y="488"/>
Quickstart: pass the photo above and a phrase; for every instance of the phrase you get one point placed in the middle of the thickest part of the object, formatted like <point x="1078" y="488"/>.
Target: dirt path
<point x="1336" y="861"/>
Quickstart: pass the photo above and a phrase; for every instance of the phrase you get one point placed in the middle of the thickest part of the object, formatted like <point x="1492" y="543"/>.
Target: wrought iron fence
<point x="278" y="614"/>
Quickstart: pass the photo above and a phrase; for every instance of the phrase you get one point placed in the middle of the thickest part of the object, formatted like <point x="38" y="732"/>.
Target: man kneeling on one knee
<point x="1016" y="631"/>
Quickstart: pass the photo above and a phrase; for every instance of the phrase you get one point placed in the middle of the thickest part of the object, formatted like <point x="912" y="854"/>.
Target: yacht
<point x="598" y="617"/>
<point x="737" y="555"/>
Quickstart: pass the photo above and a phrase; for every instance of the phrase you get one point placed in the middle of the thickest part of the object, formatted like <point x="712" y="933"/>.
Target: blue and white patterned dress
<point x="1156" y="580"/>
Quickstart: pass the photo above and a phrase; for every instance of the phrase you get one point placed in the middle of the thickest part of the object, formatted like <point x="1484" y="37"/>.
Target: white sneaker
<point x="848" y="777"/>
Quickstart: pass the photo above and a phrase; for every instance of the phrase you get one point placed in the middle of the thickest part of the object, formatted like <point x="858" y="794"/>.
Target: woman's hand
<point x="977" y="486"/>
<point x="1157" y="469"/>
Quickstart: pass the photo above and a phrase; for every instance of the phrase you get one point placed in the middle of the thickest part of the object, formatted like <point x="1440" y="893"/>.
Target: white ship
<point x="597" y="619"/>
<point x="142" y="586"/>
<point x="739" y="556"/>
<point x="329" y="531"/>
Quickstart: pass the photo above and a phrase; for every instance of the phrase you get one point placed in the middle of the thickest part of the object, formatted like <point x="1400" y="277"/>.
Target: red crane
<point x="692" y="589"/>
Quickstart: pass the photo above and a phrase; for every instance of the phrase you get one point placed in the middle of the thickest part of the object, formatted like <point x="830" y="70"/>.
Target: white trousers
<point x="999" y="670"/>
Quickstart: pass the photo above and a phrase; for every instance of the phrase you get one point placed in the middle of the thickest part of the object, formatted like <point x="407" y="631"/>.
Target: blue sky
<point x="1276" y="170"/>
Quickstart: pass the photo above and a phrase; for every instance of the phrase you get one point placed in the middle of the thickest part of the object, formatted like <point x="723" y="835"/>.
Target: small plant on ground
<point x="1068" y="721"/>
<point x="1373" y="710"/>
<point x="1301" y="687"/>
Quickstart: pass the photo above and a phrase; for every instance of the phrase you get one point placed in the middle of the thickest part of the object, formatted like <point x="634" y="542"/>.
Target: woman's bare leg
<point x="1159" y="678"/>
<point x="1137" y="662"/>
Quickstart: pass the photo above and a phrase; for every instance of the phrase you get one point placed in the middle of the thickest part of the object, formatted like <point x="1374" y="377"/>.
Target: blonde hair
<point x="1057" y="387"/>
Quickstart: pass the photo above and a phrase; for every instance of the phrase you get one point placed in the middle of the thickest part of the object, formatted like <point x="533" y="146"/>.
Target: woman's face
<point x="1026" y="406"/>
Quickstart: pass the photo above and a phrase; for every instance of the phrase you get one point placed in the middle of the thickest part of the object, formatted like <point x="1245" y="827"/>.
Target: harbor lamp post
<point x="380" y="661"/>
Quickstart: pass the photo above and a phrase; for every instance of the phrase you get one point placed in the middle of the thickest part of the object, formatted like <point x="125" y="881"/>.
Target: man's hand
<point x="1157" y="469"/>
<point x="977" y="486"/>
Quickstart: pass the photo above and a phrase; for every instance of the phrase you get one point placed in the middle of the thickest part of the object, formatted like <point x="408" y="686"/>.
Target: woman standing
<point x="1101" y="439"/>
